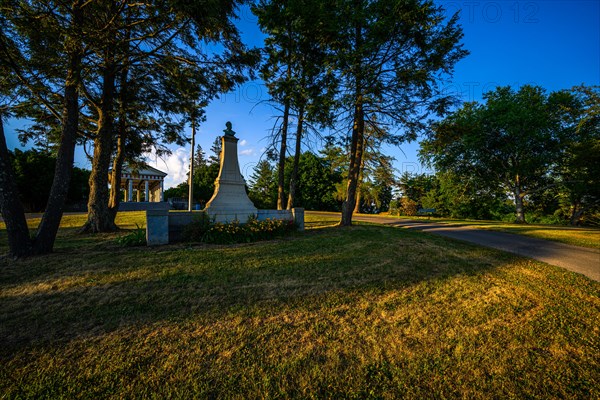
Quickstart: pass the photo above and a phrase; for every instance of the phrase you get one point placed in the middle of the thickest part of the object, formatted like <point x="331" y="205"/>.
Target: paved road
<point x="583" y="260"/>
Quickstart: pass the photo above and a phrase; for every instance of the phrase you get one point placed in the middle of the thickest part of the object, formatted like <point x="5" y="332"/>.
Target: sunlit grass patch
<point x="576" y="236"/>
<point x="586" y="237"/>
<point x="125" y="220"/>
<point x="369" y="311"/>
<point x="68" y="236"/>
<point x="313" y="221"/>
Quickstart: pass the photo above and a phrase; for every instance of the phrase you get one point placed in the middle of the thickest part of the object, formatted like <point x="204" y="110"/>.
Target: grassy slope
<point x="585" y="237"/>
<point x="369" y="311"/>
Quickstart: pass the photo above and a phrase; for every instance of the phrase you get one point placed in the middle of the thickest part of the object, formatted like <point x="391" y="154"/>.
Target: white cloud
<point x="247" y="152"/>
<point x="176" y="166"/>
<point x="243" y="142"/>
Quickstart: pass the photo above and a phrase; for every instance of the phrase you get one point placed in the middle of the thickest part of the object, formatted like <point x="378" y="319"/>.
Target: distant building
<point x="143" y="185"/>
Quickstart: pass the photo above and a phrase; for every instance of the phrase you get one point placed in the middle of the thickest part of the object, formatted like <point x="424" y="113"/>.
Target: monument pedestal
<point x="230" y="201"/>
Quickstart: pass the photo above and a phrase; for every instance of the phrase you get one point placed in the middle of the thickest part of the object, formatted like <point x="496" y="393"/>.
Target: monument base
<point x="230" y="203"/>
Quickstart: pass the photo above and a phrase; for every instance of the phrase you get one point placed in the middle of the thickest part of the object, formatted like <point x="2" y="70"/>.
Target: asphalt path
<point x="578" y="259"/>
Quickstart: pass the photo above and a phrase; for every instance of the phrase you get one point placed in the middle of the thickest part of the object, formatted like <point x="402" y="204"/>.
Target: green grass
<point x="585" y="237"/>
<point x="363" y="312"/>
<point x="125" y="220"/>
<point x="68" y="236"/>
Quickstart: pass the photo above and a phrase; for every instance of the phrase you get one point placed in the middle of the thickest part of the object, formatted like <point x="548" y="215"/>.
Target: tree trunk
<point x="358" y="199"/>
<point x="117" y="169"/>
<point x="294" y="177"/>
<point x="356" y="153"/>
<point x="282" y="153"/>
<point x="358" y="186"/>
<point x="46" y="233"/>
<point x="358" y="132"/>
<point x="19" y="243"/>
<point x="191" y="176"/>
<point x="576" y="214"/>
<point x="99" y="214"/>
<point x="519" y="210"/>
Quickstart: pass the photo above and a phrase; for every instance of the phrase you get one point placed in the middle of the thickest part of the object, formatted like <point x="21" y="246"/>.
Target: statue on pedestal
<point x="228" y="131"/>
<point x="230" y="201"/>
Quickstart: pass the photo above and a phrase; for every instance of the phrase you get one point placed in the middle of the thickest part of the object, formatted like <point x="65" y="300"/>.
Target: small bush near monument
<point x="207" y="231"/>
<point x="137" y="237"/>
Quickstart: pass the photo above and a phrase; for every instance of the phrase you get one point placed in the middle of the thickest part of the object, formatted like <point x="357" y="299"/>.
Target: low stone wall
<point x="298" y="214"/>
<point x="157" y="227"/>
<point x="163" y="227"/>
<point x="285" y="215"/>
<point x="226" y="217"/>
<point x="178" y="220"/>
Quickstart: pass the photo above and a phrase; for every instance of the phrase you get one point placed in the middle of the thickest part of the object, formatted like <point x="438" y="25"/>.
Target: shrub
<point x="137" y="237"/>
<point x="198" y="229"/>
<point x="395" y="207"/>
<point x="207" y="231"/>
<point x="409" y="207"/>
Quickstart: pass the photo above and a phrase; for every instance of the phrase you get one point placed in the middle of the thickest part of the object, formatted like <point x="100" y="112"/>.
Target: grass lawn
<point x="585" y="237"/>
<point x="362" y="312"/>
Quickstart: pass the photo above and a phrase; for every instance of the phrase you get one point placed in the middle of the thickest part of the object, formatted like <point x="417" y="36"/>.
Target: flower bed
<point x="202" y="229"/>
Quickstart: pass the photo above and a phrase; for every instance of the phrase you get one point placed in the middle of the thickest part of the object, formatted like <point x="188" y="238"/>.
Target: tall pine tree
<point x="41" y="45"/>
<point x="391" y="55"/>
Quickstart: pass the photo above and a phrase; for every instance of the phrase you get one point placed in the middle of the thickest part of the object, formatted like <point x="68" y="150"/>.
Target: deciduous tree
<point x="513" y="140"/>
<point x="579" y="168"/>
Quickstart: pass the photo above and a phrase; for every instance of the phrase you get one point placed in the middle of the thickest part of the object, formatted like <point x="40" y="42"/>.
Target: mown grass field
<point x="585" y="237"/>
<point x="364" y="312"/>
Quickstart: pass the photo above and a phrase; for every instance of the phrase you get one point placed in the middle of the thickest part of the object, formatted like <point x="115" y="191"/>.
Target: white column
<point x="162" y="190"/>
<point x="147" y="198"/>
<point x="129" y="190"/>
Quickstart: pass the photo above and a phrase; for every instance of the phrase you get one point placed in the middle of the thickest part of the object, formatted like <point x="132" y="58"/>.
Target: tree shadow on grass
<point x="49" y="301"/>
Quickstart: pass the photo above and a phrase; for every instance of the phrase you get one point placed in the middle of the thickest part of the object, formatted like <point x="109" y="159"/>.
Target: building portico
<point x="145" y="185"/>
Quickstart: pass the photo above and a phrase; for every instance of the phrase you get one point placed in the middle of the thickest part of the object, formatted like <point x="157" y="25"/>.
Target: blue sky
<point x="551" y="43"/>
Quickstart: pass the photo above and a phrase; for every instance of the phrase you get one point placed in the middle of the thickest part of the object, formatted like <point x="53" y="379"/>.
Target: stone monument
<point x="230" y="201"/>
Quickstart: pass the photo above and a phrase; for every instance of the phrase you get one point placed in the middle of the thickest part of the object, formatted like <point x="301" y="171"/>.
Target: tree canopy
<point x="122" y="79"/>
<point x="114" y="74"/>
<point x="518" y="140"/>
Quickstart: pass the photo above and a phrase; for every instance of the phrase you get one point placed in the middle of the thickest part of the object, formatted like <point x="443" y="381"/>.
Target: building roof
<point x="147" y="170"/>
